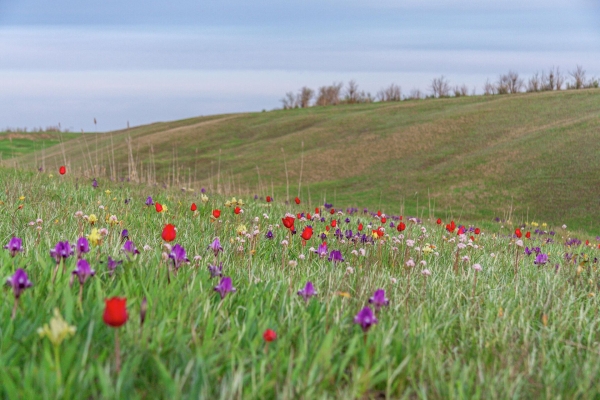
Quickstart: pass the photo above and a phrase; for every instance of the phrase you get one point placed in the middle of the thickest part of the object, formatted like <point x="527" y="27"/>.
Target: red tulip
<point x="237" y="210"/>
<point x="193" y="207"/>
<point x="115" y="312"/>
<point x="269" y="335"/>
<point x="307" y="233"/>
<point x="332" y="211"/>
<point x="518" y="233"/>
<point x="451" y="226"/>
<point x="298" y="215"/>
<point x="62" y="170"/>
<point x="472" y="238"/>
<point x="268" y="199"/>
<point x="308" y="216"/>
<point x="327" y="228"/>
<point x="169" y="233"/>
<point x="288" y="222"/>
<point x="360" y="226"/>
<point x="383" y="219"/>
<point x="477" y="231"/>
<point x="333" y="223"/>
<point x="317" y="210"/>
<point x="297" y="200"/>
<point x="587" y="242"/>
<point x="528" y="235"/>
<point x="461" y="230"/>
<point x="439" y="221"/>
<point x="401" y="226"/>
<point x="401" y="218"/>
<point x="379" y="213"/>
<point x="158" y="207"/>
<point x="216" y="213"/>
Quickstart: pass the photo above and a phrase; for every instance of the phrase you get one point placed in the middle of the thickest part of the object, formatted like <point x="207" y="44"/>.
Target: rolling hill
<point x="532" y="156"/>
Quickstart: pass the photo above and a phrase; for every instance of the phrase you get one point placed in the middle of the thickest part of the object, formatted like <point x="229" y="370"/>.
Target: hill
<point x="529" y="156"/>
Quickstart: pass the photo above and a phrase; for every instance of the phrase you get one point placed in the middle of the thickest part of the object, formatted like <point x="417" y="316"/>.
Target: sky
<point x="119" y="61"/>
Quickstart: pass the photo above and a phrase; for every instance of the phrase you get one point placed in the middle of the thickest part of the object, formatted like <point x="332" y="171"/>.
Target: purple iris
<point x="203" y="190"/>
<point x="528" y="252"/>
<point x="327" y="206"/>
<point x="224" y="287"/>
<point x="83" y="271"/>
<point x="178" y="256"/>
<point x="379" y="300"/>
<point x="269" y="235"/>
<point x="336" y="256"/>
<point x="541" y="259"/>
<point x="347" y="220"/>
<point x="322" y="250"/>
<point x="111" y="265"/>
<point x="365" y="318"/>
<point x="124" y="234"/>
<point x="14" y="246"/>
<point x="149" y="201"/>
<point x="216" y="270"/>
<point x="94" y="183"/>
<point x="61" y="251"/>
<point x="349" y="234"/>
<point x="307" y="292"/>
<point x="216" y="246"/>
<point x="82" y="247"/>
<point x="573" y="242"/>
<point x="130" y="249"/>
<point x="19" y="282"/>
<point x="338" y="234"/>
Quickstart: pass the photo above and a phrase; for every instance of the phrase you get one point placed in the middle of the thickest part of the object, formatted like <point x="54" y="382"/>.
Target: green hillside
<point x="472" y="157"/>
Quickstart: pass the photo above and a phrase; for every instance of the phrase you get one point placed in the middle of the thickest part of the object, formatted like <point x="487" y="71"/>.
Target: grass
<point x="15" y="144"/>
<point x="530" y="335"/>
<point x="530" y="156"/>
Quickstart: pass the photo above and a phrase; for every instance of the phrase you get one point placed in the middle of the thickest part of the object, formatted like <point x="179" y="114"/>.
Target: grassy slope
<point x="14" y="144"/>
<point x="474" y="156"/>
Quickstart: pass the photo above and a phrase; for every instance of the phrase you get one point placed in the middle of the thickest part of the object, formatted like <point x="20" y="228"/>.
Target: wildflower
<point x="241" y="229"/>
<point x="83" y="245"/>
<point x="293" y="263"/>
<point x="349" y="270"/>
<point x="147" y="247"/>
<point x="193" y="207"/>
<point x="269" y="335"/>
<point x="216" y="213"/>
<point x="83" y="271"/>
<point x="288" y="222"/>
<point x="215" y="270"/>
<point x="58" y="329"/>
<point x="178" y="256"/>
<point x="149" y="201"/>
<point x="130" y="249"/>
<point x="124" y="234"/>
<point x="365" y="319"/>
<point x="115" y="312"/>
<point x="111" y="265"/>
<point x="169" y="233"/>
<point x="92" y="219"/>
<point x="393" y="280"/>
<point x="541" y="259"/>
<point x="204" y="198"/>
<point x="335" y="256"/>
<point x="103" y="231"/>
<point x="477" y="267"/>
<point x="61" y="251"/>
<point x="410" y="242"/>
<point x="379" y="300"/>
<point x="215" y="246"/>
<point x="14" y="246"/>
<point x="410" y="263"/>
<point x="62" y="170"/>
<point x="284" y="243"/>
<point x="518" y="233"/>
<point x="224" y="287"/>
<point x="307" y="292"/>
<point x="19" y="282"/>
<point x="307" y="233"/>
<point x="426" y="272"/>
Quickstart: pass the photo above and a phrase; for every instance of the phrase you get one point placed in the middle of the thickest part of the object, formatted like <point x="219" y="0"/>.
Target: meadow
<point x="497" y="309"/>
<point x="528" y="156"/>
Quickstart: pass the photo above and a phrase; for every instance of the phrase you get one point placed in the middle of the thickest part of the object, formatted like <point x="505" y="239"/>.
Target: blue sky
<point x="71" y="61"/>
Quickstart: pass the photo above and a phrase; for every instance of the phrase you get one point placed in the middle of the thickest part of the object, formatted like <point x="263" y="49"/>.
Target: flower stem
<point x="14" y="310"/>
<point x="57" y="364"/>
<point x="117" y="352"/>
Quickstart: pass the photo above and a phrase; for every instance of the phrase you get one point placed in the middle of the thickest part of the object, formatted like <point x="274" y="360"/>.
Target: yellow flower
<point x="107" y="191"/>
<point x="544" y="225"/>
<point x="95" y="237"/>
<point x="93" y="219"/>
<point x="533" y="223"/>
<point x="227" y="203"/>
<point x="204" y="198"/>
<point x="427" y="249"/>
<point x="165" y="208"/>
<point x="240" y="202"/>
<point x="344" y="294"/>
<point x="22" y="198"/>
<point x="50" y="176"/>
<point x="241" y="229"/>
<point x="58" y="330"/>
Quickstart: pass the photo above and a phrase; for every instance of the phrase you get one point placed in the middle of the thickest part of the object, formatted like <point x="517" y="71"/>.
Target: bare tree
<point x="534" y="84"/>
<point x="489" y="88"/>
<point x="352" y="94"/>
<point x="578" y="77"/>
<point x="305" y="96"/>
<point x="289" y="101"/>
<point x="509" y="83"/>
<point x="440" y="87"/>
<point x="329" y="95"/>
<point x="415" y="94"/>
<point x="461" y="90"/>
<point x="554" y="80"/>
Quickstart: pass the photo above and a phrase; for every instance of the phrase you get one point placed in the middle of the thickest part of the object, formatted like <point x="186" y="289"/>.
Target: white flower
<point x="477" y="267"/>
<point x="519" y="243"/>
<point x="401" y="236"/>
<point x="292" y="263"/>
<point x="564" y="227"/>
<point x="78" y="214"/>
<point x="461" y="246"/>
<point x="284" y="243"/>
<point x="147" y="248"/>
<point x="349" y="270"/>
<point x="197" y="258"/>
<point x="311" y="250"/>
<point x="165" y="256"/>
<point x="265" y="216"/>
<point x="101" y="207"/>
<point x="423" y="229"/>
<point x="167" y="247"/>
<point x="362" y="252"/>
<point x="417" y="249"/>
<point x="39" y="221"/>
<point x="394" y="280"/>
<point x="354" y="252"/>
<point x="301" y="256"/>
<point x="492" y="255"/>
<point x="103" y="231"/>
<point x="465" y="258"/>
<point x="31" y="223"/>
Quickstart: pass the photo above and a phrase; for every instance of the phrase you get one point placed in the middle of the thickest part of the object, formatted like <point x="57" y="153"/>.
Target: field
<point x="15" y="144"/>
<point x="470" y="315"/>
<point x="524" y="157"/>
